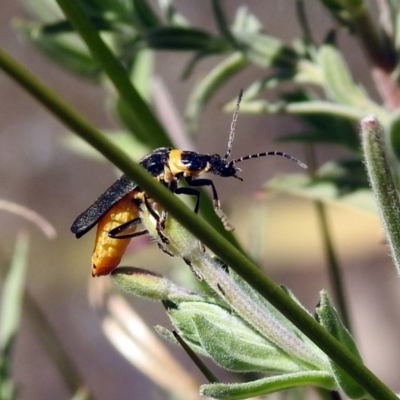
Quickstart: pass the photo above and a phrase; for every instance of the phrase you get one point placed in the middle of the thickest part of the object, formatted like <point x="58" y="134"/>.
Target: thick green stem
<point x="211" y="238"/>
<point x="382" y="182"/>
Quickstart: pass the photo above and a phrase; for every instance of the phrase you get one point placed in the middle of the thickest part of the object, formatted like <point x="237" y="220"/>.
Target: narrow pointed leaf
<point x="340" y="85"/>
<point x="184" y="39"/>
<point x="145" y="15"/>
<point x="260" y="387"/>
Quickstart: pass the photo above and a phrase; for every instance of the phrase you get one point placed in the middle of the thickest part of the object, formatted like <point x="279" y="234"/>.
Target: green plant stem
<point x="335" y="276"/>
<point x="211" y="238"/>
<point x="382" y="182"/>
<point x="333" y="265"/>
<point x="196" y="359"/>
<point x="144" y="119"/>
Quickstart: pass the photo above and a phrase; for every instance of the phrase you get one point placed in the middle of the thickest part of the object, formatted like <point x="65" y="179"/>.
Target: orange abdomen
<point x="107" y="251"/>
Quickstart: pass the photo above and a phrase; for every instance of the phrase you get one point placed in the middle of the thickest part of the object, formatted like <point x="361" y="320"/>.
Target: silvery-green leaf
<point x="235" y="346"/>
<point x="260" y="387"/>
<point x="184" y="325"/>
<point x="143" y="283"/>
<point x="340" y="86"/>
<point x="258" y="299"/>
<point x="181" y="316"/>
<point x="339" y="82"/>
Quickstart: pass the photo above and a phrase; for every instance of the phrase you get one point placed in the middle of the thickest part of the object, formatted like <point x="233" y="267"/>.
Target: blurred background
<point x="38" y="171"/>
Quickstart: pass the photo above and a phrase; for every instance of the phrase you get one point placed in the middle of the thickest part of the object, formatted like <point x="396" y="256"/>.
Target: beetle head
<point x="222" y="167"/>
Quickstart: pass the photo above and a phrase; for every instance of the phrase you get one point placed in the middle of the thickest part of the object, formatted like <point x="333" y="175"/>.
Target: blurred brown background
<point x="37" y="171"/>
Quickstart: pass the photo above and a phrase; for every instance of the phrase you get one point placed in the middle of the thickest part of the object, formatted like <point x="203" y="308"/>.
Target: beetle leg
<point x="166" y="251"/>
<point x="115" y="233"/>
<point x="190" y="265"/>
<point x="190" y="192"/>
<point x="217" y="205"/>
<point x="160" y="222"/>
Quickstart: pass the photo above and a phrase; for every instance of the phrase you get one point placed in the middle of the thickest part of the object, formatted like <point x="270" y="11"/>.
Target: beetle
<point x="116" y="211"/>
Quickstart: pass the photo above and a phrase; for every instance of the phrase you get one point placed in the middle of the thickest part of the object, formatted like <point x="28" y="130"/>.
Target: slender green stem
<point x="333" y="265"/>
<point x="211" y="238"/>
<point x="330" y="254"/>
<point x="196" y="359"/>
<point x="145" y="121"/>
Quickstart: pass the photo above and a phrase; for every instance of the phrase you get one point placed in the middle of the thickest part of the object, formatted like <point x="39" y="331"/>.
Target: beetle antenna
<point x="271" y="153"/>
<point x="233" y="125"/>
